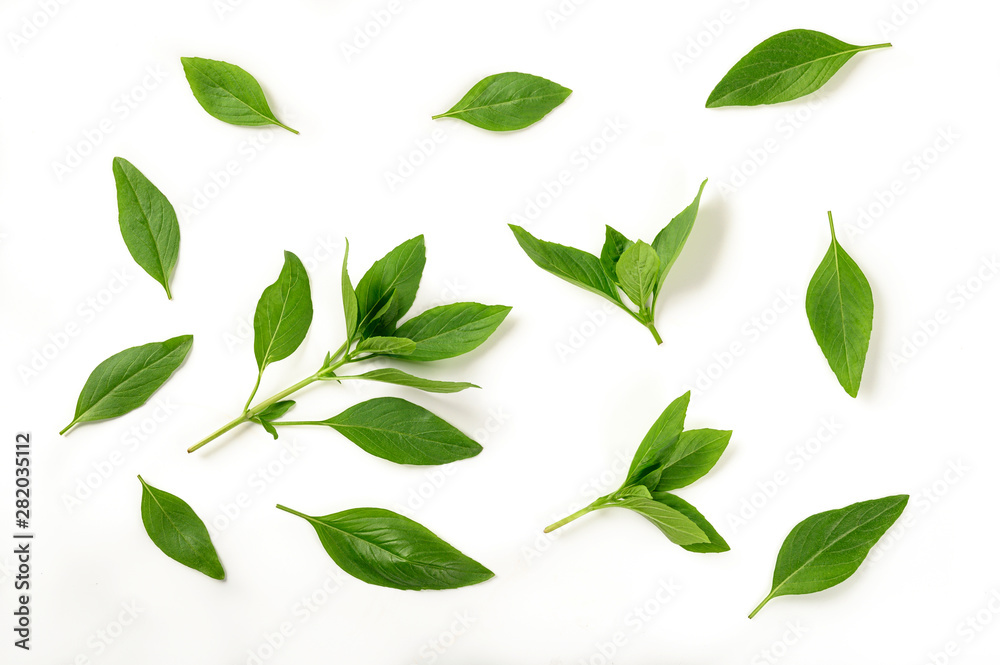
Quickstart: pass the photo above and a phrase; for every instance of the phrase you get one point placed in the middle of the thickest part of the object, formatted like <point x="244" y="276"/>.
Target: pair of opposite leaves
<point x="820" y="552"/>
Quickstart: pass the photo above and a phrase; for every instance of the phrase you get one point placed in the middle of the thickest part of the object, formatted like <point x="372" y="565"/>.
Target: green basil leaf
<point x="276" y="410"/>
<point x="384" y="548"/>
<point x="229" y="93"/>
<point x="638" y="270"/>
<point x="669" y="242"/>
<point x="784" y="67"/>
<point x="451" y="330"/>
<point x="696" y="452"/>
<point x="614" y="244"/>
<point x="841" y="311"/>
<point x="715" y="544"/>
<point x="398" y="346"/>
<point x="504" y="102"/>
<point x="402" y="432"/>
<point x="148" y="223"/>
<point x="400" y="378"/>
<point x="673" y="523"/>
<point x="350" y="297"/>
<point x="266" y="417"/>
<point x="388" y="289"/>
<point x="658" y="443"/>
<point x="284" y="313"/>
<point x="179" y="533"/>
<point x="126" y="380"/>
<point x="571" y="264"/>
<point x="824" y="550"/>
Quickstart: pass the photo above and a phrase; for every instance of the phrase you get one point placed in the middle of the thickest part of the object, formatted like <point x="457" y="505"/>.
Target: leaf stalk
<point x="600" y="503"/>
<point x="324" y="373"/>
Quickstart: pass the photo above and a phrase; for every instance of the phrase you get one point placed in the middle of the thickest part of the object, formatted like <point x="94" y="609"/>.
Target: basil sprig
<point x="667" y="459"/>
<point x="638" y="269"/>
<point x="388" y="427"/>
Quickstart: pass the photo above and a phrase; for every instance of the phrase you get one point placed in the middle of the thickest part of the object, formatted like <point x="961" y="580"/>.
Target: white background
<point x="551" y="421"/>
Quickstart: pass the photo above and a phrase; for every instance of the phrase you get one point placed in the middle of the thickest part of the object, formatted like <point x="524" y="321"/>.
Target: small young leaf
<point x="397" y="346"/>
<point x="669" y="242"/>
<point x="633" y="490"/>
<point x="402" y="432"/>
<point x="349" y="296"/>
<point x="841" y="310"/>
<point x="504" y="102"/>
<point x="386" y="549"/>
<point x="451" y="330"/>
<point x="127" y="379"/>
<point x="272" y="413"/>
<point x="388" y="289"/>
<point x="716" y="542"/>
<point x="284" y="313"/>
<point x="824" y="550"/>
<point x="571" y="264"/>
<point x="614" y="244"/>
<point x="784" y="67"/>
<point x="179" y="533"/>
<point x="694" y="455"/>
<point x="400" y="378"/>
<point x="658" y="443"/>
<point x="148" y="223"/>
<point x="638" y="270"/>
<point x="674" y="524"/>
<point x="229" y="93"/>
<point x="382" y="309"/>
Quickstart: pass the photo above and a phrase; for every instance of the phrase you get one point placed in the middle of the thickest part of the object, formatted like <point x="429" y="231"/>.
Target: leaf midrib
<point x="316" y="520"/>
<point x="453" y="113"/>
<point x="147" y="225"/>
<point x="416" y="437"/>
<point x="843" y="313"/>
